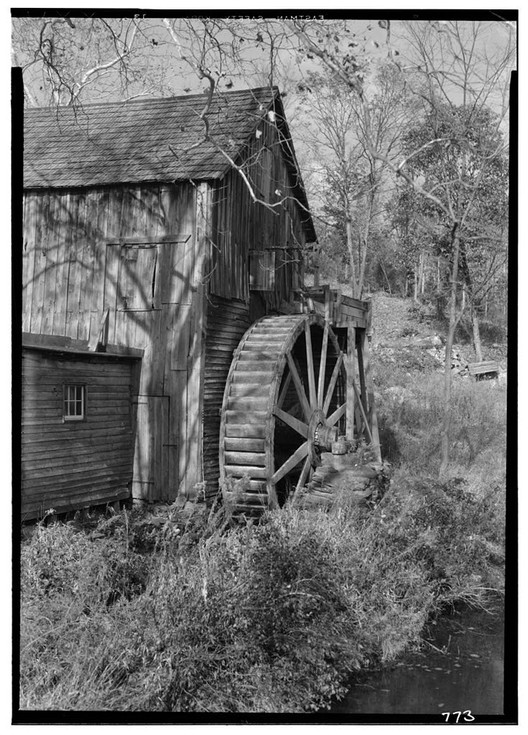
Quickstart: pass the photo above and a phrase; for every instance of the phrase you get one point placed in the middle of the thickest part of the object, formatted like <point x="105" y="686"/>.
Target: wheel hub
<point x="319" y="433"/>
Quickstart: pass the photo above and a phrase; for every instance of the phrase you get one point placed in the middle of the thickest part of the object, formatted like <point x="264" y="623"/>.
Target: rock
<point x="431" y="341"/>
<point x="345" y="476"/>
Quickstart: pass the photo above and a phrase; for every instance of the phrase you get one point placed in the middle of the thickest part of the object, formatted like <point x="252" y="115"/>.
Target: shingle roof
<point x="126" y="142"/>
<point x="149" y="140"/>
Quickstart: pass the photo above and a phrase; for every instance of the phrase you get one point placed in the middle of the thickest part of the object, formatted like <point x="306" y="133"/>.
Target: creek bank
<point x="459" y="667"/>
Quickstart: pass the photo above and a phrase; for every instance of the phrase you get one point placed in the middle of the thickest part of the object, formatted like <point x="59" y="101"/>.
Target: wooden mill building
<point x="151" y="243"/>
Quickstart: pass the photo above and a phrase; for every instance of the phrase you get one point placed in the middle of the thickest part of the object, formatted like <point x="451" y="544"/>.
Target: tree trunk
<point x="386" y="277"/>
<point x="467" y="288"/>
<point x="350" y="246"/>
<point x="476" y="334"/>
<point x="366" y="237"/>
<point x="448" y="379"/>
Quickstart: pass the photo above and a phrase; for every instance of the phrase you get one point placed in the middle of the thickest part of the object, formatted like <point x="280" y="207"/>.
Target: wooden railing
<point x="340" y="310"/>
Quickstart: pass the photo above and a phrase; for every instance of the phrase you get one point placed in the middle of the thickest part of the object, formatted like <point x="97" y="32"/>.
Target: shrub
<point x="413" y="413"/>
<point x="267" y="617"/>
<point x="162" y="611"/>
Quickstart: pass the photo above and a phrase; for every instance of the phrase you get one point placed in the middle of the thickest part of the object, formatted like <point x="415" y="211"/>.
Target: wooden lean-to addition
<point x="141" y="236"/>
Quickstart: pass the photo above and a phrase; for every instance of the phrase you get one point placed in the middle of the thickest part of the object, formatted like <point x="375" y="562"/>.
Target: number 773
<point x="467" y="716"/>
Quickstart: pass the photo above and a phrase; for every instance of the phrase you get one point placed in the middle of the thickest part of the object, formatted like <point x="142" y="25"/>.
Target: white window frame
<point x="71" y="398"/>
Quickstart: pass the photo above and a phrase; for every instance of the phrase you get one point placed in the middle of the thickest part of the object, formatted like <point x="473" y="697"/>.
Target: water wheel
<point x="284" y="403"/>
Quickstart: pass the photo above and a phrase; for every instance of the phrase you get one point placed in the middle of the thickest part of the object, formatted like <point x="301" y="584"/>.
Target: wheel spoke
<point x="284" y="390"/>
<point x="310" y="365"/>
<point x="299" y="426"/>
<point x="333" y="382"/>
<point x="299" y="454"/>
<point x="304" y="474"/>
<point x="300" y="388"/>
<point x="334" y="418"/>
<point x="322" y="366"/>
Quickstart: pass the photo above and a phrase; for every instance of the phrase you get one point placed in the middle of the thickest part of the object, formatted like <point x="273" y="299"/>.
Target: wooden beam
<point x="350" y="364"/>
<point x="175" y="239"/>
<point x="100" y="336"/>
<point x="360" y="345"/>
<point x="369" y="386"/>
<point x="362" y="410"/>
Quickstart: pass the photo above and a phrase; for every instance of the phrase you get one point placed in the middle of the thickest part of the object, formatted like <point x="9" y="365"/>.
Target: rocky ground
<point x="406" y="335"/>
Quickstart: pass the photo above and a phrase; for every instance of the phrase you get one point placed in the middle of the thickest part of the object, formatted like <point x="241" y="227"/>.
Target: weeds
<point x="410" y="424"/>
<point x="170" y="610"/>
<point x="267" y="617"/>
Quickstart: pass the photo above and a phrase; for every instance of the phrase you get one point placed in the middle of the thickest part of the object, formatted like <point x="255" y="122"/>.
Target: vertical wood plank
<point x="158" y="348"/>
<point x="182" y="254"/>
<point x="360" y="344"/>
<point x="164" y="493"/>
<point x="63" y="237"/>
<point x="89" y="263"/>
<point x="372" y="416"/>
<point x="196" y="354"/>
<point x="30" y="247"/>
<point x="75" y="278"/>
<point x="142" y="467"/>
<point x="350" y="364"/>
<point x="39" y="278"/>
<point x="100" y="235"/>
<point x="189" y="205"/>
<point x="51" y="265"/>
<point x="180" y="340"/>
<point x="82" y="246"/>
<point x="113" y="257"/>
<point x="175" y="388"/>
<point x="98" y="239"/>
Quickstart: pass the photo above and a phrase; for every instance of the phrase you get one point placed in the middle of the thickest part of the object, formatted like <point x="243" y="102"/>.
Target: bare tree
<point x="449" y="66"/>
<point x="352" y="179"/>
<point x="445" y="65"/>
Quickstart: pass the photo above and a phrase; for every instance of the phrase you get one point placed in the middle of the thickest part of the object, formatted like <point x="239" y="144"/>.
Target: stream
<point x="459" y="668"/>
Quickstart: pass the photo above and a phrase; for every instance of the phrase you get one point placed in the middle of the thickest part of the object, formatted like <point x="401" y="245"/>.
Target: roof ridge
<point x="155" y="100"/>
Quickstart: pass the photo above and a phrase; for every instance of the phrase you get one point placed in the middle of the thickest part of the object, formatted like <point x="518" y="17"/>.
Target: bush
<point x="270" y="617"/>
<point x="162" y="611"/>
<point x="410" y="413"/>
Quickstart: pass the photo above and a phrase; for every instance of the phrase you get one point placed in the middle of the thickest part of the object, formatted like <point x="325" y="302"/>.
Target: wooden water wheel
<point x="284" y="403"/>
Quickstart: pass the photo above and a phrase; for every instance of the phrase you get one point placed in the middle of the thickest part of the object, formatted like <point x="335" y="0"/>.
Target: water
<point x="460" y="668"/>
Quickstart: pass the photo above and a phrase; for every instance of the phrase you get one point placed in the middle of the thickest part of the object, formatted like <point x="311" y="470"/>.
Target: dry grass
<point x="198" y="614"/>
<point x="271" y="617"/>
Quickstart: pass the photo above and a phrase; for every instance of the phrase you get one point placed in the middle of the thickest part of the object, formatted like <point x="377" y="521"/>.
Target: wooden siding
<point x="134" y="252"/>
<point x="242" y="225"/>
<point x="73" y="464"/>
<point x="166" y="269"/>
<point x="226" y="323"/>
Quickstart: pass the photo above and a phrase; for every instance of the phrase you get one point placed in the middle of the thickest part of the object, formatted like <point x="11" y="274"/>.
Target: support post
<point x="361" y="339"/>
<point x="327" y="304"/>
<point x="350" y="364"/>
<point x="369" y="386"/>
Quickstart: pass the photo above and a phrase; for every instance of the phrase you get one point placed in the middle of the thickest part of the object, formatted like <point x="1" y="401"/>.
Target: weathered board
<point x="131" y="252"/>
<point x="256" y="212"/>
<point x="227" y="322"/>
<point x="177" y="270"/>
<point x="70" y="464"/>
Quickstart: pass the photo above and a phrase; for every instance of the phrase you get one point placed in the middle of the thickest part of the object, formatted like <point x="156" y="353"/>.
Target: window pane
<point x="73" y="406"/>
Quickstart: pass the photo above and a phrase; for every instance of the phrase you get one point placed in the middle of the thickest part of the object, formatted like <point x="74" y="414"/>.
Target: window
<point x="74" y="402"/>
